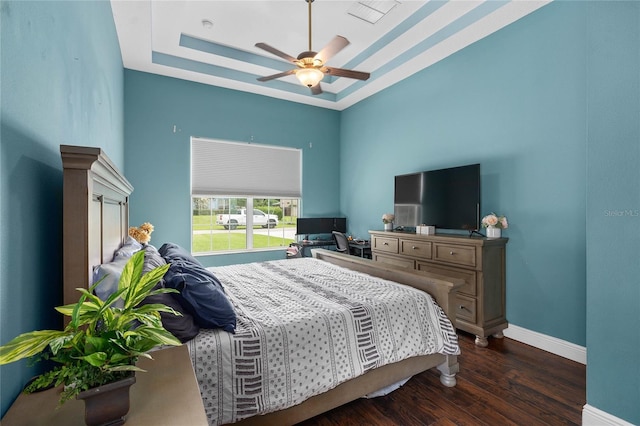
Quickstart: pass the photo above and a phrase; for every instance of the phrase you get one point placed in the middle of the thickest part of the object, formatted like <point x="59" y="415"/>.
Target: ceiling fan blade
<point x="337" y="44"/>
<point x="339" y="72"/>
<point x="316" y="90"/>
<point x="273" y="50"/>
<point x="274" y="76"/>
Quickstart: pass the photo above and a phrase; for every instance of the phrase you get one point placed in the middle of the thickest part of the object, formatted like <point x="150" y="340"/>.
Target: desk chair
<point x="342" y="244"/>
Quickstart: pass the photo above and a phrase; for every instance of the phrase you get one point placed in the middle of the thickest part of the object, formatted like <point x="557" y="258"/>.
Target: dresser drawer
<point x="388" y="245"/>
<point x="466" y="308"/>
<point x="469" y="277"/>
<point x="458" y="254"/>
<point x="420" y="249"/>
<point x="394" y="261"/>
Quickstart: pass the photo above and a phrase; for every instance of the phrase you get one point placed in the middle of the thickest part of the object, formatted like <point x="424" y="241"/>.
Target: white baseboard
<point x="591" y="416"/>
<point x="547" y="343"/>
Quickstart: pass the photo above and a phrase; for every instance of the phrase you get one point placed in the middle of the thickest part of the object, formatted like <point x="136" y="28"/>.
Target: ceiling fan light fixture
<point x="310" y="65"/>
<point x="309" y="76"/>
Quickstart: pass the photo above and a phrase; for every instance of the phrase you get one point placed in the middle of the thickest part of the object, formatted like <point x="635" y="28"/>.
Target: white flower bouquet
<point x="494" y="220"/>
<point x="388" y="218"/>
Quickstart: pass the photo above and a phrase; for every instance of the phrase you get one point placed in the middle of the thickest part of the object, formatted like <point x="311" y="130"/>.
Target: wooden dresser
<point x="480" y="262"/>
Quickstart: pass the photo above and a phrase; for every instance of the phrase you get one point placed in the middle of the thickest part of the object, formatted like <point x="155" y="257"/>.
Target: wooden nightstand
<point x="167" y="394"/>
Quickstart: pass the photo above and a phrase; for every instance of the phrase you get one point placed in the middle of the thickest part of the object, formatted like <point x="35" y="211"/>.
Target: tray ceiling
<point x="213" y="42"/>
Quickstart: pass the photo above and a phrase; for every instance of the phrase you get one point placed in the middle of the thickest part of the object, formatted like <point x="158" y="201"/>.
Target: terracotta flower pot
<point x="108" y="404"/>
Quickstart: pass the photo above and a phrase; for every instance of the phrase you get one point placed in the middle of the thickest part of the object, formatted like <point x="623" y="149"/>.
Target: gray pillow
<point x="129" y="247"/>
<point x="111" y="273"/>
<point x="152" y="259"/>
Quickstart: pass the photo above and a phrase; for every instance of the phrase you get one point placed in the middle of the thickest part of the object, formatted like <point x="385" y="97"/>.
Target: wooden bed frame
<point x="96" y="223"/>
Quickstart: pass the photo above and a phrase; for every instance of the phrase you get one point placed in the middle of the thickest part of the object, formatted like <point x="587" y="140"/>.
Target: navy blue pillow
<point x="172" y="251"/>
<point x="182" y="326"/>
<point x="201" y="293"/>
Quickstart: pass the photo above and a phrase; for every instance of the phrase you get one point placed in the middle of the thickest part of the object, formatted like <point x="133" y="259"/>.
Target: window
<point x="228" y="180"/>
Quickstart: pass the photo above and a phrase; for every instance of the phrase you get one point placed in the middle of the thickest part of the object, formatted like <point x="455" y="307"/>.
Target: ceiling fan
<point x="311" y="66"/>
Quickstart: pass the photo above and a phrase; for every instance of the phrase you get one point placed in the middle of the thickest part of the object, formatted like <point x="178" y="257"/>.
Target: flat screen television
<point x="320" y="225"/>
<point x="445" y="198"/>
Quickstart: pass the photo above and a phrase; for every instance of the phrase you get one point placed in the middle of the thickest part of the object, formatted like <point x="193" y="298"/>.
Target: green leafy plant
<point x="102" y="341"/>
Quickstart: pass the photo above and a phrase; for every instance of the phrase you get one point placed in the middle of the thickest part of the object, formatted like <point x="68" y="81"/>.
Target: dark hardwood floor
<point x="507" y="383"/>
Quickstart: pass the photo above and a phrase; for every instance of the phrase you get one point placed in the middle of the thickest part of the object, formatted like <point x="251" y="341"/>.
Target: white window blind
<point x="231" y="168"/>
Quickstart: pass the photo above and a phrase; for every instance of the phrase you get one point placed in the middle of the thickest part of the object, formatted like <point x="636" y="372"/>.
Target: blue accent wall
<point x="549" y="106"/>
<point x="158" y="154"/>
<point x="613" y="208"/>
<point x="515" y="103"/>
<point x="61" y="83"/>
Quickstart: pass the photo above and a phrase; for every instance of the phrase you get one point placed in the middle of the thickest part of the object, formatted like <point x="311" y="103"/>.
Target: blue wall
<point x="613" y="208"/>
<point x="513" y="102"/>
<point x="61" y="83"/>
<point x="549" y="106"/>
<point x="158" y="159"/>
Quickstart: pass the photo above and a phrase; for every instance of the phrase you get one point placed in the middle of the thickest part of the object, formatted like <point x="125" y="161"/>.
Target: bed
<point x="95" y="225"/>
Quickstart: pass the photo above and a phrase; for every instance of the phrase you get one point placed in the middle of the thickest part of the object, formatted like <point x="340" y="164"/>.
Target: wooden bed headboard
<point x="95" y="214"/>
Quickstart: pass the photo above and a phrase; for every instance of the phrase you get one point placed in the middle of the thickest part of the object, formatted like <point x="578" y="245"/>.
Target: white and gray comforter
<point x="305" y="326"/>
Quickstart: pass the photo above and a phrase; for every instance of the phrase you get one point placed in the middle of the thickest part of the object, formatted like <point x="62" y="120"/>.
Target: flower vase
<point x="493" y="232"/>
<point x="388" y="226"/>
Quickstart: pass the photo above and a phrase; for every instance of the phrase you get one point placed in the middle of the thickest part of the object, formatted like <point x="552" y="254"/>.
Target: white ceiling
<point x="169" y="38"/>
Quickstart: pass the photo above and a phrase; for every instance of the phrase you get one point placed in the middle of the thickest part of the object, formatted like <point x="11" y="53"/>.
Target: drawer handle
<point x="385" y="244"/>
<point x="451" y="253"/>
<point x="414" y="248"/>
<point x="464" y="308"/>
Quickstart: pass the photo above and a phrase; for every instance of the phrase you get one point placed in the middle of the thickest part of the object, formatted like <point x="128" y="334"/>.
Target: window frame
<point x="205" y="150"/>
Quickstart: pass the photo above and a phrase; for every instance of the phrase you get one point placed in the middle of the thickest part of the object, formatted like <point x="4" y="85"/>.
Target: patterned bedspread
<point x="304" y="327"/>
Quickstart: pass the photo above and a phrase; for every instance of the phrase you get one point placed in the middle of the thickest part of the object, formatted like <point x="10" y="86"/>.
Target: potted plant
<point x="101" y="343"/>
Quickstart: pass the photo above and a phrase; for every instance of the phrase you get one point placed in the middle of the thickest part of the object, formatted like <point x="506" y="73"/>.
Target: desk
<point x="310" y="244"/>
<point x="362" y="249"/>
<point x="166" y="394"/>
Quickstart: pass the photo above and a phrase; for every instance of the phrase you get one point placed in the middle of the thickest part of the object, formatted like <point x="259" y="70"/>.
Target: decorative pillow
<point x="127" y="250"/>
<point x="111" y="273"/>
<point x="200" y="291"/>
<point x="112" y="270"/>
<point x="183" y="327"/>
<point x="152" y="259"/>
<point x="173" y="253"/>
